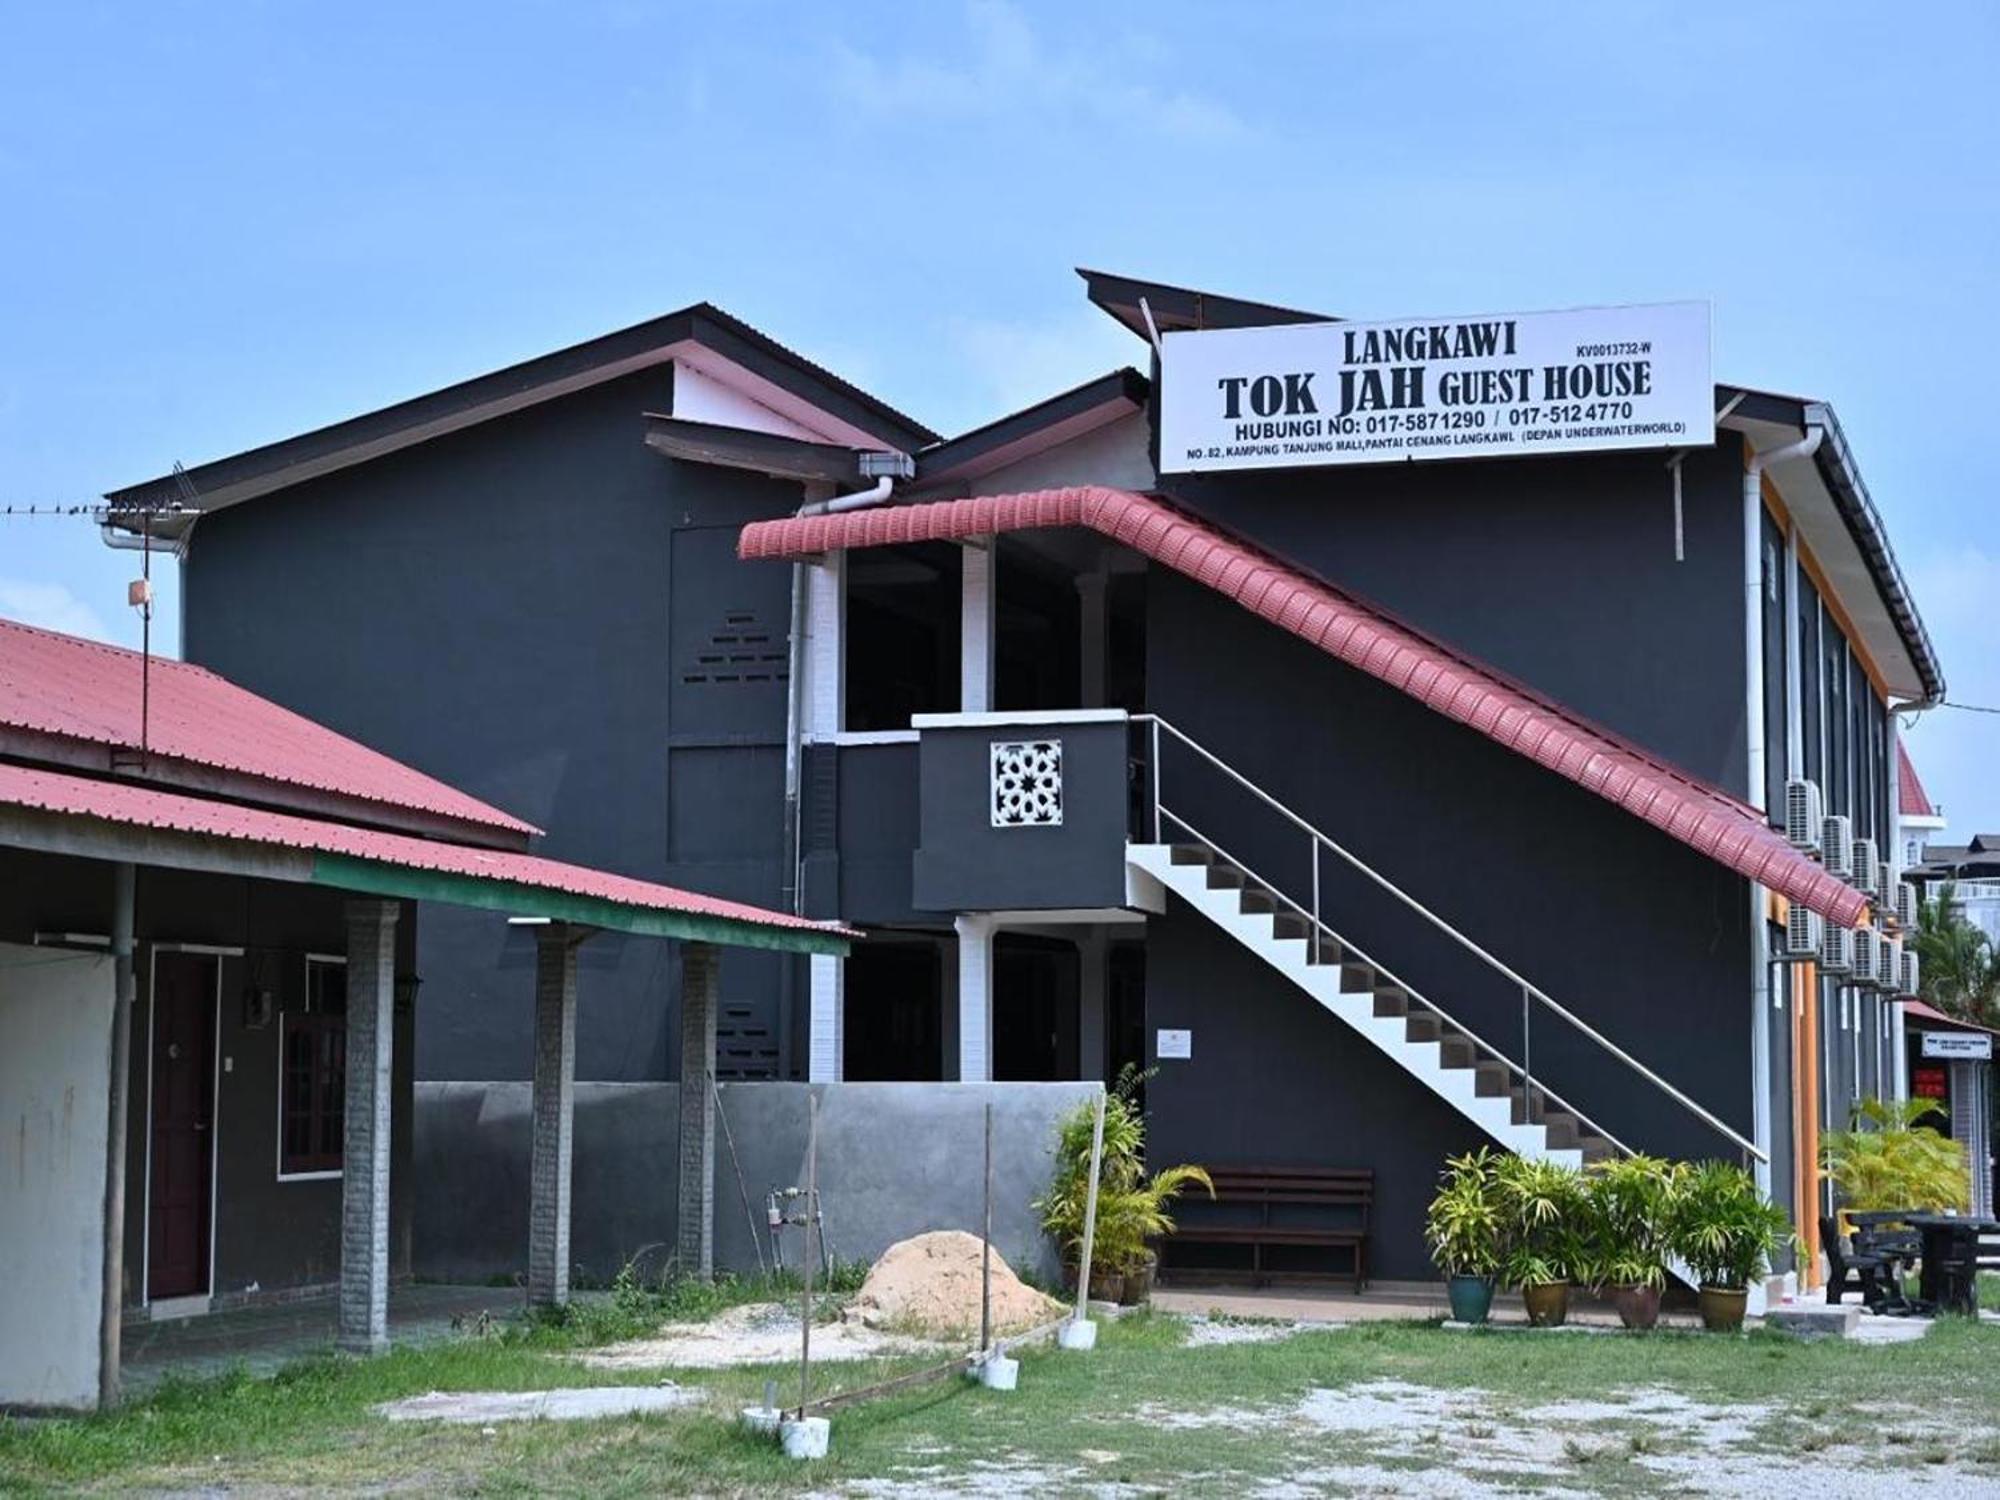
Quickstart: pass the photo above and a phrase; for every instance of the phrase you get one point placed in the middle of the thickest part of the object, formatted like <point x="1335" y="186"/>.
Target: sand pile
<point x="930" y="1285"/>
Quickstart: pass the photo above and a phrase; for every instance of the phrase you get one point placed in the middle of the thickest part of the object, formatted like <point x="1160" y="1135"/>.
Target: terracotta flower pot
<point x="1548" y="1303"/>
<point x="1138" y="1289"/>
<point x="1722" y="1308"/>
<point x="1638" y="1306"/>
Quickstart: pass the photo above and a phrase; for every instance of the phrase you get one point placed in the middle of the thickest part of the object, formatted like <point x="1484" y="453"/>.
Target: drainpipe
<point x="1753" y="727"/>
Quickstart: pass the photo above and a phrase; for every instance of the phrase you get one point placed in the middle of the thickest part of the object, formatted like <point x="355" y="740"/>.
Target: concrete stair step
<point x="1191" y="854"/>
<point x="1423" y="1026"/>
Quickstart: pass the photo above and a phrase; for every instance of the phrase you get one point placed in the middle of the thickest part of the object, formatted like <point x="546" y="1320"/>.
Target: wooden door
<point x="182" y="1125"/>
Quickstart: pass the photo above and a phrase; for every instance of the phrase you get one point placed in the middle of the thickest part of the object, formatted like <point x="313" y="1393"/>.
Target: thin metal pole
<point x="986" y="1250"/>
<point x="1312" y="955"/>
<point x="806" y="1297"/>
<point x="1527" y="1069"/>
<point x="1154" y="767"/>
<point x="124" y="994"/>
<point x="1090" y="1208"/>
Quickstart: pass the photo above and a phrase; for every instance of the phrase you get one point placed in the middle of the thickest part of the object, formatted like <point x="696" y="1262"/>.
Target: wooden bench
<point x="1260" y="1206"/>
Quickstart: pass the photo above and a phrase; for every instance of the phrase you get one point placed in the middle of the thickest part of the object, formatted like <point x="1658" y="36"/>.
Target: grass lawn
<point x="1232" y="1409"/>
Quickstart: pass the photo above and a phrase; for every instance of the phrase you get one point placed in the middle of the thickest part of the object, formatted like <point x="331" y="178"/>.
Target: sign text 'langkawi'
<point x="1309" y="394"/>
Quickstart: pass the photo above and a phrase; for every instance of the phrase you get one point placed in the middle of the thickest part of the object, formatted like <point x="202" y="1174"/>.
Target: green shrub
<point x="1723" y="1227"/>
<point x="1890" y="1161"/>
<point x="1463" y="1225"/>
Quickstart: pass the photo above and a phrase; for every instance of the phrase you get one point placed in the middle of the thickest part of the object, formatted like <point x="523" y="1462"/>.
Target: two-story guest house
<point x="1397" y="735"/>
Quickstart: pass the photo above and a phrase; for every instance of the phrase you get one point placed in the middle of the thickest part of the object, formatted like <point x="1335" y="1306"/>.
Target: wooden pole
<point x="806" y="1297"/>
<point x="1090" y="1210"/>
<point x="986" y="1253"/>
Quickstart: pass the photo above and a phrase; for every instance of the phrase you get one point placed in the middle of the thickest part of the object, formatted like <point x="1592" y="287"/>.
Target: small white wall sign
<point x="1174" y="1044"/>
<point x="1957" y="1044"/>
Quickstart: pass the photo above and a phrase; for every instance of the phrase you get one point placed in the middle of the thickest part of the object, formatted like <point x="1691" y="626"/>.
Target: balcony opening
<point x="895" y="1012"/>
<point x="902" y="633"/>
<point x="1070" y="623"/>
<point x="1037" y="1002"/>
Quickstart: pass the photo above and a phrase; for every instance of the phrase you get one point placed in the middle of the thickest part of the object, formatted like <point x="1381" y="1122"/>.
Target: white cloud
<point x="1958" y="752"/>
<point x="51" y="606"/>
<point x="1011" y="73"/>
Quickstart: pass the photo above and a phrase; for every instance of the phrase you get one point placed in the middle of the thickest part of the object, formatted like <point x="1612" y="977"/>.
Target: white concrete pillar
<point x="364" y="1188"/>
<point x="826" y="1041"/>
<point x="1092" y="956"/>
<point x="552" y="1114"/>
<point x="701" y="994"/>
<point x="976" y="626"/>
<point x="1094" y="635"/>
<point x="826" y="647"/>
<point x="975" y="998"/>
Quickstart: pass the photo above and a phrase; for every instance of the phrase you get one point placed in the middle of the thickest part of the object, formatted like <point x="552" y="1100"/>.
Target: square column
<point x="552" y="1113"/>
<point x="826" y="647"/>
<point x="364" y="1186"/>
<point x="1092" y="957"/>
<point x="827" y="1038"/>
<point x="701" y="966"/>
<point x="975" y="998"/>
<point x="1093" y="634"/>
<point x="975" y="626"/>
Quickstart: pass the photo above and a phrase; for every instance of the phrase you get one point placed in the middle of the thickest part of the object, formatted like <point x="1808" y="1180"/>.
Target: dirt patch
<point x="1205" y="1333"/>
<point x="478" y="1408"/>
<point x="758" y="1333"/>
<point x="931" y="1285"/>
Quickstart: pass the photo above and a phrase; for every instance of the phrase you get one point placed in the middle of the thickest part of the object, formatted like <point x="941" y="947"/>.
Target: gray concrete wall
<point x="895" y="1159"/>
<point x="55" y="1030"/>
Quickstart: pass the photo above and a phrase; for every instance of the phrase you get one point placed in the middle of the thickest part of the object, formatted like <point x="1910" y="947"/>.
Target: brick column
<point x="975" y="998"/>
<point x="364" y="1189"/>
<point x="553" y="1112"/>
<point x="695" y="1221"/>
<point x="827" y="1033"/>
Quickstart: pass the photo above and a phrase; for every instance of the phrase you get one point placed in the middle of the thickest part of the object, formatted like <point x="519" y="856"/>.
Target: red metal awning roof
<point x="334" y="845"/>
<point x="73" y="689"/>
<point x="1920" y="1011"/>
<point x="1457" y="686"/>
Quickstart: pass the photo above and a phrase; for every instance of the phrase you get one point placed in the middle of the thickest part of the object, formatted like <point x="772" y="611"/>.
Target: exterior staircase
<point x="1488" y="1089"/>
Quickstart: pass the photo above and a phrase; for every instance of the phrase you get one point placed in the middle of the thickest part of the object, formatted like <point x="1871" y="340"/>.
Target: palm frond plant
<point x="1132" y="1208"/>
<point x="1892" y="1160"/>
<point x="1631" y="1201"/>
<point x="1961" y="969"/>
<point x="1727" y="1231"/>
<point x="1543" y="1210"/>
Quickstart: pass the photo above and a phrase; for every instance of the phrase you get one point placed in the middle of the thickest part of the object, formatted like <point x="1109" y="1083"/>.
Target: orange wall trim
<point x="1805" y="1132"/>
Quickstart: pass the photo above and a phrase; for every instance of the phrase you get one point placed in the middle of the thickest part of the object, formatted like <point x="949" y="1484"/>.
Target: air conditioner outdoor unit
<point x="1836" y="845"/>
<point x="1836" y="949"/>
<point x="1866" y="941"/>
<point x="1909" y="986"/>
<point x="1804" y="931"/>
<point x="1906" y="905"/>
<point x="1867" y="869"/>
<point x="1804" y="813"/>
<point x="1889" y="877"/>
<point x="1888" y="962"/>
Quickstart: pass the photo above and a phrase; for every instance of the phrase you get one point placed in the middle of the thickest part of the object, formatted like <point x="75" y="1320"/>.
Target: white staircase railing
<point x="1321" y="933"/>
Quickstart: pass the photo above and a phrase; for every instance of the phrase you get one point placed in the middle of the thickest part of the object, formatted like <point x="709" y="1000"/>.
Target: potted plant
<point x="1631" y="1201"/>
<point x="1727" y="1232"/>
<point x="1131" y="1207"/>
<point x="1542" y="1210"/>
<point x="1463" y="1229"/>
<point x="1890" y="1160"/>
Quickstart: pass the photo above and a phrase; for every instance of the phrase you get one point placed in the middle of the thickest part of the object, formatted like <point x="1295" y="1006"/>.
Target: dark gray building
<point x="1383" y="809"/>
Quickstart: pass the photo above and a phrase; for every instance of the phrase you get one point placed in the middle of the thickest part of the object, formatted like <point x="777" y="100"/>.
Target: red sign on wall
<point x="1929" y="1083"/>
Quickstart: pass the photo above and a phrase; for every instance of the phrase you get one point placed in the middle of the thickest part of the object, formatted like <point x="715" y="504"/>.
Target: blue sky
<point x="227" y="223"/>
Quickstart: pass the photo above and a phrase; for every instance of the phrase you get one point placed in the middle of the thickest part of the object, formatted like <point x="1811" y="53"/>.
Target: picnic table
<point x="1953" y="1258"/>
<point x="1884" y="1246"/>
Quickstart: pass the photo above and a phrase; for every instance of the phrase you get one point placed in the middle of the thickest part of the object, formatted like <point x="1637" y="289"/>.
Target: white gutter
<point x="1753" y="605"/>
<point x="1761" y="1024"/>
<point x="875" y="494"/>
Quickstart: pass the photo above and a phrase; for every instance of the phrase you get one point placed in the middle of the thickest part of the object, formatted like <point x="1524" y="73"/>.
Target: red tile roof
<point x="86" y="691"/>
<point x="1455" y="685"/>
<point x="130" y="805"/>
<point x="1911" y="799"/>
<point x="1923" y="1012"/>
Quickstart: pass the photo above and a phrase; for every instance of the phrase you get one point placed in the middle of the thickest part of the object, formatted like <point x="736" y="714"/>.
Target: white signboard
<point x="1311" y="394"/>
<point x="1173" y="1044"/>
<point x="1956" y="1044"/>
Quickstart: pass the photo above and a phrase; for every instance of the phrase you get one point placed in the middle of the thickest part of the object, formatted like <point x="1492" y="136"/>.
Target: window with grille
<point x="312" y="1075"/>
